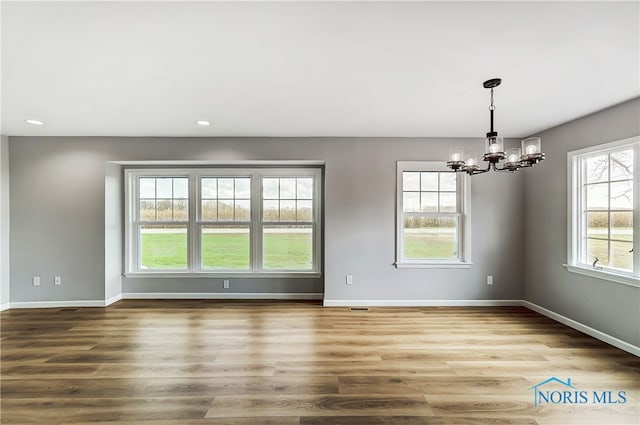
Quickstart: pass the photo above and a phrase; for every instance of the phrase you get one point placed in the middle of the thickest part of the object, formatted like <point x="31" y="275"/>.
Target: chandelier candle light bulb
<point x="532" y="145"/>
<point x="471" y="164"/>
<point x="514" y="156"/>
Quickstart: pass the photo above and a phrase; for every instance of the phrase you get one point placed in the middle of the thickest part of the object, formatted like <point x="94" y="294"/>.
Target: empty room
<point x="320" y="212"/>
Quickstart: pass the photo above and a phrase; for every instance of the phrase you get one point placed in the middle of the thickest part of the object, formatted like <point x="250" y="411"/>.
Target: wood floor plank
<point x="312" y="354"/>
<point x="363" y="368"/>
<point x="131" y="356"/>
<point x="430" y="385"/>
<point x="167" y="387"/>
<point x="586" y="368"/>
<point x="448" y="354"/>
<point x="45" y="371"/>
<point x="160" y="345"/>
<point x="103" y="410"/>
<point x="482" y="405"/>
<point x="319" y="405"/>
<point x="411" y="420"/>
<point x="280" y="420"/>
<point x="170" y="370"/>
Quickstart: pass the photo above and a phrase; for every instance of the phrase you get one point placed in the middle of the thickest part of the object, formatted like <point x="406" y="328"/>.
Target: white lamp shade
<point x="513" y="156"/>
<point x="456" y="154"/>
<point x="531" y="146"/>
<point x="494" y="145"/>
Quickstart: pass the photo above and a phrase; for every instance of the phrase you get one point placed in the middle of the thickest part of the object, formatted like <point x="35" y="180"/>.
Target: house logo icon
<point x="563" y="392"/>
<point x="538" y="395"/>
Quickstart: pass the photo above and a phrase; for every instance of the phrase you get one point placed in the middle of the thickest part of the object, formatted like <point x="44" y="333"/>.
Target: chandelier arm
<point x="481" y="171"/>
<point x="505" y="169"/>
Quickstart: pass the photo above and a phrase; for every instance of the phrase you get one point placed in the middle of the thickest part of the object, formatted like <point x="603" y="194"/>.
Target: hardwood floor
<point x="196" y="362"/>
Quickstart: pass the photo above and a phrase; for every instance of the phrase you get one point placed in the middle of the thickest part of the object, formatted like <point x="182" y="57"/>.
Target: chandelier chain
<point x="492" y="107"/>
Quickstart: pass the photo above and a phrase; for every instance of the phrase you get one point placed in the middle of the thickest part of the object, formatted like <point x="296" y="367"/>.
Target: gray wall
<point x="4" y="222"/>
<point x="58" y="218"/>
<point x="603" y="305"/>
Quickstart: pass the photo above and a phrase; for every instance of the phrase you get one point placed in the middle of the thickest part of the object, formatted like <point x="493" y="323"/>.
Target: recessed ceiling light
<point x="203" y="123"/>
<point x="34" y="122"/>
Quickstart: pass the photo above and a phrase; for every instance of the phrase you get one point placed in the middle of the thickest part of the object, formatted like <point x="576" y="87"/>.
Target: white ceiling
<point x="312" y="68"/>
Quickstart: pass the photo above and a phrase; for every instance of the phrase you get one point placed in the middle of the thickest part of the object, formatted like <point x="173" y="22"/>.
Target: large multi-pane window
<point x="432" y="216"/>
<point x="604" y="208"/>
<point x="223" y="220"/>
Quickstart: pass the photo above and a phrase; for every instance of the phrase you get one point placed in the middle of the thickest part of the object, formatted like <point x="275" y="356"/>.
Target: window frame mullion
<point x="256" y="224"/>
<point x="194" y="232"/>
<point x="636" y="210"/>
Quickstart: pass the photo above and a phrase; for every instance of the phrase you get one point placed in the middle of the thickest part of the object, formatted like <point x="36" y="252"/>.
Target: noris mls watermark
<point x="545" y="393"/>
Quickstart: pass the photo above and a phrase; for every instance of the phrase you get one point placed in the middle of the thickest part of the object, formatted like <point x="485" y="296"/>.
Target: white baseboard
<point x="164" y="295"/>
<point x="112" y="300"/>
<point x="58" y="304"/>
<point x="61" y="304"/>
<point x="630" y="348"/>
<point x="224" y="295"/>
<point x="421" y="303"/>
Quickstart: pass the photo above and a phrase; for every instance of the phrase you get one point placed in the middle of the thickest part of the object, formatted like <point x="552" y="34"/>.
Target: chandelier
<point x="495" y="155"/>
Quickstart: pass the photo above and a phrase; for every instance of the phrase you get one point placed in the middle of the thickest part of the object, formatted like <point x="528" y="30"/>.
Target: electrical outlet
<point x="349" y="279"/>
<point x="36" y="281"/>
<point x="225" y="284"/>
<point x="489" y="280"/>
<point x="57" y="280"/>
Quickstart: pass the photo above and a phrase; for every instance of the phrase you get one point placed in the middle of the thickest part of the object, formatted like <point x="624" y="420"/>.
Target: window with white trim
<point x="163" y="217"/>
<point x="603" y="211"/>
<point x="432" y="216"/>
<point x="260" y="221"/>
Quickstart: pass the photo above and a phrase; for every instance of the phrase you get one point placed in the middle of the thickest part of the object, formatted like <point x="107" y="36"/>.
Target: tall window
<point x="163" y="216"/>
<point x="225" y="223"/>
<point x="604" y="209"/>
<point x="212" y="221"/>
<point x="288" y="225"/>
<point x="432" y="228"/>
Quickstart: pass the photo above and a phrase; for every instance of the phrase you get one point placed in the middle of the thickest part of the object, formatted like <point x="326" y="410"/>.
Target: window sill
<point x="223" y="275"/>
<point x="452" y="265"/>
<point x="604" y="274"/>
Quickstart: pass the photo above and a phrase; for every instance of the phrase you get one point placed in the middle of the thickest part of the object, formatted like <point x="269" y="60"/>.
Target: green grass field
<point x="293" y="251"/>
<point x="430" y="245"/>
<point x="621" y="258"/>
<point x="228" y="251"/>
